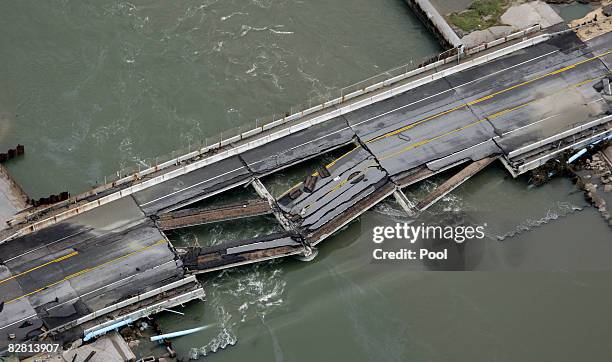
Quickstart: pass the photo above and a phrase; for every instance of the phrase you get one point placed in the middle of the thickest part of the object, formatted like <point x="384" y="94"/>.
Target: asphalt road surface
<point x="72" y="269"/>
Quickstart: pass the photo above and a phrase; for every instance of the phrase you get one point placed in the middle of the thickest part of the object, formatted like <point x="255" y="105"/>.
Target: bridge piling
<point x="454" y="182"/>
<point x="405" y="203"/>
<point x="262" y="191"/>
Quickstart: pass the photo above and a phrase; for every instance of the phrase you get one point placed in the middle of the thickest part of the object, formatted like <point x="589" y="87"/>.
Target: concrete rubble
<point x="109" y="348"/>
<point x="594" y="176"/>
<point x="595" y="23"/>
<point x="525" y="15"/>
<point x="516" y="18"/>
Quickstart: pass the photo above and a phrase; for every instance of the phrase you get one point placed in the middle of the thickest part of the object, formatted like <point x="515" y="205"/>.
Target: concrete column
<point x="263" y="192"/>
<point x="405" y="203"/>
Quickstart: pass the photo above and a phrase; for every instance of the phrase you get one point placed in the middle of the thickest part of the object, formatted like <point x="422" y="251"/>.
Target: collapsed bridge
<point x="100" y="257"/>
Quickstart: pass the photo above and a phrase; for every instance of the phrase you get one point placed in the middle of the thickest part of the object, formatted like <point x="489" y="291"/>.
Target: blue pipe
<point x="102" y="331"/>
<point x="177" y="334"/>
<point x="577" y="155"/>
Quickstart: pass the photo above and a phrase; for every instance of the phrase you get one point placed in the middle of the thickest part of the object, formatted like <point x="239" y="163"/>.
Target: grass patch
<point x="480" y="15"/>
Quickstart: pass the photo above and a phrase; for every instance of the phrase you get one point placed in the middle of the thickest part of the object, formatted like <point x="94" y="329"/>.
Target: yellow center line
<point x="343" y="182"/>
<point x="479" y="100"/>
<point x="57" y="260"/>
<point x="316" y="173"/>
<point x="87" y="270"/>
<point x="490" y="117"/>
<point x="487" y="97"/>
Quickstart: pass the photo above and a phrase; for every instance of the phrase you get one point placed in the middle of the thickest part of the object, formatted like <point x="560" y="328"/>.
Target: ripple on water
<point x="558" y="211"/>
<point x="237" y="296"/>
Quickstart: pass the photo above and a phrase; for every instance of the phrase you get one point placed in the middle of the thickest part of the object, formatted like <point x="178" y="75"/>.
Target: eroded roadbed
<point x="240" y="252"/>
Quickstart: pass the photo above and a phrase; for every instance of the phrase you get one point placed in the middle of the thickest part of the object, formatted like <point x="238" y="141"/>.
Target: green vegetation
<point x="480" y="15"/>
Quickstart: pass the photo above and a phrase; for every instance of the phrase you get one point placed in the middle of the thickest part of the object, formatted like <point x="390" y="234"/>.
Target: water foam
<point x="558" y="211"/>
<point x="237" y="296"/>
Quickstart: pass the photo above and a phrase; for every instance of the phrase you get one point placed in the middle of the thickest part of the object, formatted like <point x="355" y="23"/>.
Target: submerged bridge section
<point x="67" y="264"/>
<point x="201" y="216"/>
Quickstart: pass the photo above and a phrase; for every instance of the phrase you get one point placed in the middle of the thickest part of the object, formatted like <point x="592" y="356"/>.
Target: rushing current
<point x="94" y="86"/>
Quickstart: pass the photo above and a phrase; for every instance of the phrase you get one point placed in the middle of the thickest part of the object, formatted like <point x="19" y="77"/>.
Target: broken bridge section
<point x="199" y="260"/>
<point x="329" y="200"/>
<point x="201" y="216"/>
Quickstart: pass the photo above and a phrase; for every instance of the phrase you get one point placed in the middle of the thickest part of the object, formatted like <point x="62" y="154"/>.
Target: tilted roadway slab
<point x="298" y="147"/>
<point x="338" y="198"/>
<point x="191" y="187"/>
<point x="239" y="252"/>
<point x="492" y="109"/>
<point x="238" y="170"/>
<point x="468" y="109"/>
<point x="358" y="173"/>
<point x="69" y="270"/>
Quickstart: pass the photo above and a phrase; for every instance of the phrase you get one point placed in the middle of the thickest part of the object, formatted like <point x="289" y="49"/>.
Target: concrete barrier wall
<point x="436" y="23"/>
<point x="559" y="136"/>
<point x="605" y="134"/>
<point x="152" y="309"/>
<point x="130" y="301"/>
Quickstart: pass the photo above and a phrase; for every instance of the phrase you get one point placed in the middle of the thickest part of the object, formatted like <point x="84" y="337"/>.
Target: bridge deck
<point x="491" y="109"/>
<point x="239" y="252"/>
<point x="494" y="109"/>
<point x="201" y="216"/>
<point x="64" y="272"/>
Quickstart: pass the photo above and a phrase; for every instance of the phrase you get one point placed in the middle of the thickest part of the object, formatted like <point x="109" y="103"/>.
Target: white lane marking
<point x="85" y="294"/>
<point x="601" y="99"/>
<point x="111" y="284"/>
<point x="388" y="112"/>
<point x="530" y="124"/>
<point x="305" y="143"/>
<point x="192" y="186"/>
<point x="21" y="320"/>
<point x="450" y="89"/>
<point x="423" y="99"/>
<point x="44" y="246"/>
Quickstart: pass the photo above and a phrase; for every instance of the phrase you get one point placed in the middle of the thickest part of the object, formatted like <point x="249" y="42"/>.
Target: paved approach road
<point x="69" y="270"/>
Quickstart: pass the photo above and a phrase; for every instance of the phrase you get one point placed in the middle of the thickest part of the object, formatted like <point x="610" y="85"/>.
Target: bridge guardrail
<point x="41" y="222"/>
<point x="377" y="82"/>
<point x="559" y="136"/>
<point x="368" y="85"/>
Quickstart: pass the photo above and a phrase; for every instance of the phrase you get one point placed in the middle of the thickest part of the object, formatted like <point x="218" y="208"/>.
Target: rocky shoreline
<point x="487" y="20"/>
<point x="594" y="177"/>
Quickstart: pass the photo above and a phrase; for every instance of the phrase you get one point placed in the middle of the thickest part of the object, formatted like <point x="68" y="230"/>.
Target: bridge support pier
<point x="263" y="192"/>
<point x="405" y="203"/>
<point x="309" y="254"/>
<point x="454" y="182"/>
